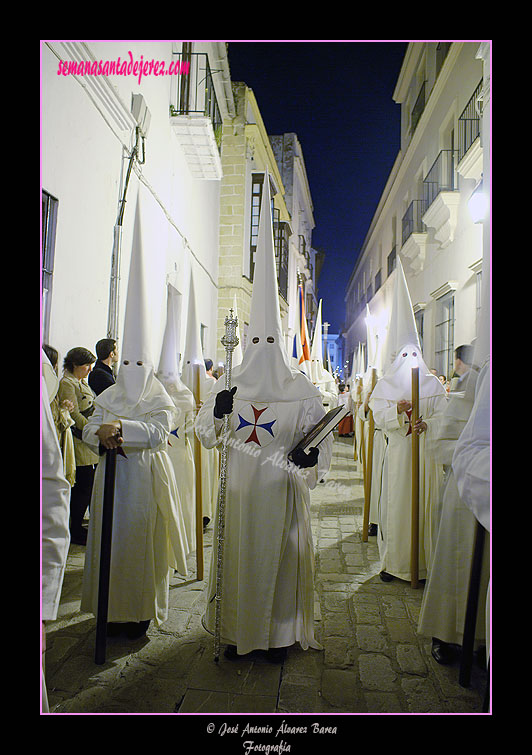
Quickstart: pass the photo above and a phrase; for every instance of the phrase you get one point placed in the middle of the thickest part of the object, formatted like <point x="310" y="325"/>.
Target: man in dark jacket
<point x="101" y="375"/>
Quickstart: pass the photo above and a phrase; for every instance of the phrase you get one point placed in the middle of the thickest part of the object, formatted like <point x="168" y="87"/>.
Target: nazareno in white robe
<point x="180" y="451"/>
<point x="445" y="596"/>
<point x="394" y="534"/>
<point x="210" y="463"/>
<point x="149" y="539"/>
<point x="268" y="567"/>
<point x="379" y="448"/>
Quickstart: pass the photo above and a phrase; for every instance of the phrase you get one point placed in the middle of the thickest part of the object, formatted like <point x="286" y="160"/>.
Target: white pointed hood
<point x="372" y="349"/>
<point x="168" y="362"/>
<point x="265" y="373"/>
<point x="320" y="376"/>
<point x="237" y="353"/>
<point x="316" y="351"/>
<point x="193" y="356"/>
<point x="403" y="351"/>
<point x="136" y="391"/>
<point x="168" y="372"/>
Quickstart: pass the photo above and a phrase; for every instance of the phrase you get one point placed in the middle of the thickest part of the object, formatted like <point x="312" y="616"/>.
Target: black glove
<point x="303" y="460"/>
<point x="224" y="403"/>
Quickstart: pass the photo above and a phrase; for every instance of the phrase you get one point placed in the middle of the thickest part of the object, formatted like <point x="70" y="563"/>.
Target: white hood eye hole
<point x="139" y="364"/>
<point x="270" y="339"/>
<point x="414" y="354"/>
<point x="126" y="361"/>
<point x="255" y="340"/>
<point x="405" y="354"/>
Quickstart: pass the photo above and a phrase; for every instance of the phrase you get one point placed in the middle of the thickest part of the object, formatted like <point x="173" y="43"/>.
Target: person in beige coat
<point x="74" y="387"/>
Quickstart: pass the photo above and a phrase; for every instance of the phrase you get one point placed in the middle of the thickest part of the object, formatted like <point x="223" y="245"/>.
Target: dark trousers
<point x="80" y="496"/>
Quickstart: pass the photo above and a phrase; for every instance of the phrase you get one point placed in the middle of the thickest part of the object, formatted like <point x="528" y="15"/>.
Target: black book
<point x="320" y="431"/>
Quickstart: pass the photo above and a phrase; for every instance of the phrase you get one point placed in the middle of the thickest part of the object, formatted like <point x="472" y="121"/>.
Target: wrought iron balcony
<point x="196" y="117"/>
<point x="441" y="176"/>
<point x="412" y="219"/>
<point x="469" y="124"/>
<point x="195" y="91"/>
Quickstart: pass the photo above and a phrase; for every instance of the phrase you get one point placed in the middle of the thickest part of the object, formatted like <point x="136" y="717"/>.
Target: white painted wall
<point x="83" y="166"/>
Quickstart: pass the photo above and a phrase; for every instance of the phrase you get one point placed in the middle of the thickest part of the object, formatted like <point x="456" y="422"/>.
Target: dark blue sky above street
<point x="337" y="98"/>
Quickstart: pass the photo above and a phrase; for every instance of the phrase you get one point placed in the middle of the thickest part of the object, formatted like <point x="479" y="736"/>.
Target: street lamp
<point x="478" y="204"/>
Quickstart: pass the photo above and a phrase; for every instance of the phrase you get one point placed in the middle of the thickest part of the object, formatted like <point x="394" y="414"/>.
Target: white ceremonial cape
<point x="268" y="586"/>
<point x="394" y="523"/>
<point x="149" y="538"/>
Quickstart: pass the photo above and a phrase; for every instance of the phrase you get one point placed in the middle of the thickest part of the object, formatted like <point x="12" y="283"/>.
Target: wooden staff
<point x="199" y="492"/>
<point x="414" y="543"/>
<point x="105" y="555"/>
<point x="355" y="418"/>
<point x="369" y="464"/>
<point x="470" y="623"/>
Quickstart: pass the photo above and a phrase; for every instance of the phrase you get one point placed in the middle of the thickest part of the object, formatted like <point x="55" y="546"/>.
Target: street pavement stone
<point x="373" y="659"/>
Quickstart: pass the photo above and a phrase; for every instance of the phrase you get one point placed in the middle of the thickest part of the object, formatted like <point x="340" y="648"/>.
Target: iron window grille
<point x="281" y="234"/>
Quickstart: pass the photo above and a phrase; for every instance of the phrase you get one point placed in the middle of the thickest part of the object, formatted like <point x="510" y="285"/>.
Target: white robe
<point x="379" y="448"/>
<point x="210" y="464"/>
<point x="180" y="451"/>
<point x="149" y="539"/>
<point x="394" y="535"/>
<point x="268" y="567"/>
<point x="445" y="595"/>
<point x="55" y="533"/>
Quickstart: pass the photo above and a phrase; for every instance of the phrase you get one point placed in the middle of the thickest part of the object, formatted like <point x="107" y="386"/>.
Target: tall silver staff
<point x="229" y="341"/>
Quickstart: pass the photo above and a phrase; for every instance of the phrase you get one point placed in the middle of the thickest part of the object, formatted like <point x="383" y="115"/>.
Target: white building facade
<point x="301" y="262"/>
<point x="423" y="214"/>
<point x="101" y="101"/>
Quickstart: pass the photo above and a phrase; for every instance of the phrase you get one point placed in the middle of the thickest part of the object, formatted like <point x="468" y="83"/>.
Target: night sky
<point x="337" y="98"/>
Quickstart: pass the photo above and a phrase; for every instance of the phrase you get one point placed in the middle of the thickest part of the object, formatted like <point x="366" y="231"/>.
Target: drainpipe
<point x="114" y="286"/>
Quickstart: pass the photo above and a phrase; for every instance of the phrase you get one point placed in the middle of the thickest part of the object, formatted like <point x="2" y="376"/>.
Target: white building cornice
<point x="446" y="288"/>
<point x="99" y="89"/>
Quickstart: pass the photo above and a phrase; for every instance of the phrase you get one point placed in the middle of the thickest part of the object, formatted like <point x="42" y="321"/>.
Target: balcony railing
<point x="469" y="124"/>
<point x="441" y="176"/>
<point x="195" y="91"/>
<point x="412" y="219"/>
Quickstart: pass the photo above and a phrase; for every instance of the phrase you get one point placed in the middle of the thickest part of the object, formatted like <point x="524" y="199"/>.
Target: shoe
<point x="372" y="530"/>
<point x="134" y="629"/>
<point x="230" y="653"/>
<point x="443" y="652"/>
<point x="385" y="577"/>
<point x="276" y="655"/>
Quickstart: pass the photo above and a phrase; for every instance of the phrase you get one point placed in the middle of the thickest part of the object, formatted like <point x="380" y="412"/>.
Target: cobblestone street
<point x="373" y="659"/>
